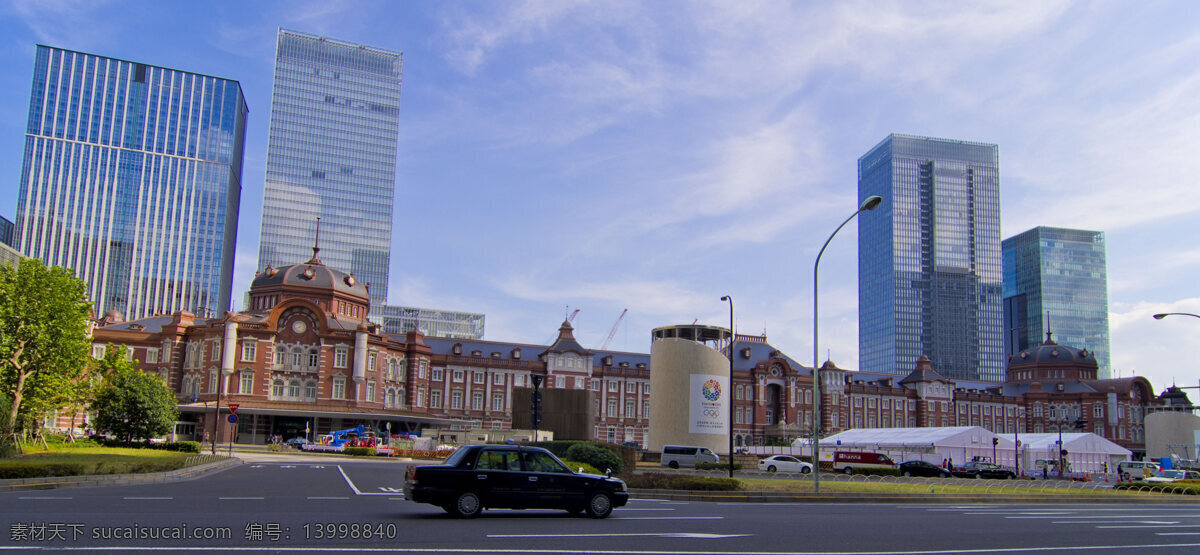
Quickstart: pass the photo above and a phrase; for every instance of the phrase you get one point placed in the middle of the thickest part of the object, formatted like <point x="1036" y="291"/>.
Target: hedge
<point x="359" y="451"/>
<point x="598" y="457"/>
<point x="657" y="480"/>
<point x="582" y="467"/>
<point x="181" y="446"/>
<point x="39" y="470"/>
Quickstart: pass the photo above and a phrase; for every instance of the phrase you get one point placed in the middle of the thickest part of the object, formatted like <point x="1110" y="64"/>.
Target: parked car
<point x="478" y="477"/>
<point x="296" y="441"/>
<point x="676" y="456"/>
<point x="1165" y="476"/>
<point x="784" y="463"/>
<point x="850" y="461"/>
<point x="922" y="468"/>
<point x="984" y="470"/>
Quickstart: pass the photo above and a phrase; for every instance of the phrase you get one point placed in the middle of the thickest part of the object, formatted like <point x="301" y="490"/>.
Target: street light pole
<point x="1165" y="314"/>
<point x="732" y="340"/>
<point x="872" y="202"/>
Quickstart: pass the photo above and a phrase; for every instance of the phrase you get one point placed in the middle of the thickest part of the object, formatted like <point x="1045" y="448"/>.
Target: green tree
<point x="44" y="339"/>
<point x="131" y="404"/>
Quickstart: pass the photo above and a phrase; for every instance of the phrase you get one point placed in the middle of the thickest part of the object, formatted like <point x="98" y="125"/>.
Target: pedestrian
<point x="1045" y="471"/>
<point x="950" y="463"/>
<point x="944" y="466"/>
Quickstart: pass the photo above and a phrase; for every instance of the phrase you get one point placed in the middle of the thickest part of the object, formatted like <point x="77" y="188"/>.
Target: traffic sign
<point x="233" y="419"/>
<point x="233" y="407"/>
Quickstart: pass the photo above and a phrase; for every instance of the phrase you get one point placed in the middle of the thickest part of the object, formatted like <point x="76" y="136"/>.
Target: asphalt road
<point x="350" y="506"/>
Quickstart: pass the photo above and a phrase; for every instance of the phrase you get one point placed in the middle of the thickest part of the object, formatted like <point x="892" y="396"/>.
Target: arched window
<point x="314" y="358"/>
<point x="294" y="389"/>
<point x="277" y="389"/>
<point x="187" y="385"/>
<point x="400" y="398"/>
<point x="310" y="391"/>
<point x="280" y="355"/>
<point x="212" y="381"/>
<point x="297" y="357"/>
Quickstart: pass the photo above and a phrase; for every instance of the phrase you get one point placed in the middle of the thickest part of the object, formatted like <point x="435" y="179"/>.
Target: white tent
<point x="1085" y="452"/>
<point x="960" y="444"/>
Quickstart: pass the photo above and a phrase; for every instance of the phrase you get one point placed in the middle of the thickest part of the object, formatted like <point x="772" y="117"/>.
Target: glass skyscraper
<point x="929" y="264"/>
<point x="1056" y="277"/>
<point x="132" y="177"/>
<point x="331" y="154"/>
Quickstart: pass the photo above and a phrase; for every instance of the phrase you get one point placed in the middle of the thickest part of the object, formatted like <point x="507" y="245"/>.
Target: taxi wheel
<point x="771" y="468"/>
<point x="805" y="470"/>
<point x="467" y="505"/>
<point x="599" y="505"/>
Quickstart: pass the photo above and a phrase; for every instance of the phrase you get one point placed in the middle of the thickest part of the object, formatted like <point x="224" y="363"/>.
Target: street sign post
<point x="233" y="407"/>
<point x="232" y="419"/>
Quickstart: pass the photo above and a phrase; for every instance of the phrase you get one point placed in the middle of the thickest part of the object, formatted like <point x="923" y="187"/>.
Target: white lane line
<point x="1114" y="522"/>
<point x="329" y="498"/>
<point x="1154" y="526"/>
<point x="622" y="535"/>
<point x="669" y="517"/>
<point x="241" y="498"/>
<point x="1177" y="533"/>
<point x="426" y="549"/>
<point x="147" y="498"/>
<point x="624" y="509"/>
<point x="355" y="488"/>
<point x="1105" y="516"/>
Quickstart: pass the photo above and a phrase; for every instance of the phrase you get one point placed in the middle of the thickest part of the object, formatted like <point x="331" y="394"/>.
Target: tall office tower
<point x="331" y="154"/>
<point x="132" y="177"/>
<point x="1055" y="280"/>
<point x="7" y="231"/>
<point x="929" y="264"/>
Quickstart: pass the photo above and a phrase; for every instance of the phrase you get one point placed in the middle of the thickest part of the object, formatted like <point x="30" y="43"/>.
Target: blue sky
<point x="658" y="155"/>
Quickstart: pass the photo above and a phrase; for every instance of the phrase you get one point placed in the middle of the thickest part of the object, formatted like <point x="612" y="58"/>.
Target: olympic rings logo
<point x="712" y="413"/>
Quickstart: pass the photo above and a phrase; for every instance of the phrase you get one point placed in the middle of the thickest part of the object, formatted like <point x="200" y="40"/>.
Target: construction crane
<point x="614" y="330"/>
<point x="570" y="319"/>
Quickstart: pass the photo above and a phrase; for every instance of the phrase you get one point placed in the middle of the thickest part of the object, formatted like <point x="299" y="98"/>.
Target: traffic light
<point x="995" y="441"/>
<point x="536" y="398"/>
<point x="1081" y="424"/>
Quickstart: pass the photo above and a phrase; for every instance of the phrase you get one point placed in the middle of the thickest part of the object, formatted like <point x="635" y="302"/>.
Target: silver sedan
<point x="784" y="463"/>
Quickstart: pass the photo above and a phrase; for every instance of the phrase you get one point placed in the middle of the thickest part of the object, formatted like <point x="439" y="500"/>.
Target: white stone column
<point x="230" y="348"/>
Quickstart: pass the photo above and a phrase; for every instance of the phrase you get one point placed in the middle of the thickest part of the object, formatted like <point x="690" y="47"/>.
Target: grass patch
<point x="85" y="461"/>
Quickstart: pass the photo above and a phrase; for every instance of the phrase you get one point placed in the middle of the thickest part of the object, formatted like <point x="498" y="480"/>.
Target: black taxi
<point x="478" y="477"/>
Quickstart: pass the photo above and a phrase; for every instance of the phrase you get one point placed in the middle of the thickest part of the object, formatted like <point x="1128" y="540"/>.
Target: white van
<point x="1138" y="470"/>
<point x="676" y="456"/>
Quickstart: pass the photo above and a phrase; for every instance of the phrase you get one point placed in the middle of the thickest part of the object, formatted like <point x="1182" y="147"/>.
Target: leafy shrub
<point x="180" y="446"/>
<point x="626" y="454"/>
<point x="598" y="457"/>
<point x="717" y="466"/>
<point x="656" y="480"/>
<point x="39" y="470"/>
<point x="586" y="468"/>
<point x="274" y="447"/>
<point x="360" y="451"/>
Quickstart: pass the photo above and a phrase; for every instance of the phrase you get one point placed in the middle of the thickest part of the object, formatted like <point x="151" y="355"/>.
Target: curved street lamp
<point x="872" y="202"/>
<point x="732" y="337"/>
<point x="1165" y="314"/>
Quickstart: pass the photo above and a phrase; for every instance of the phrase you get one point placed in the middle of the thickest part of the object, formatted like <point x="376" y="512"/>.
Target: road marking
<point x="669" y="517"/>
<point x="147" y="498"/>
<point x="329" y="498"/>
<point x="624" y="509"/>
<point x="354" y="487"/>
<point x="621" y="535"/>
<point x="1106" y="516"/>
<point x="1114" y="521"/>
<point x="1177" y="533"/>
<point x="43" y="498"/>
<point x="240" y="498"/>
<point x="1158" y="526"/>
<point x="391" y="490"/>
<point x="395" y="549"/>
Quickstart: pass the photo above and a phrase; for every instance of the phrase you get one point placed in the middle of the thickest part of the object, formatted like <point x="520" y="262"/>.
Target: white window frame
<point x="152" y="355"/>
<point x="437" y="375"/>
<point x="249" y="350"/>
<point x="339" y="388"/>
<point x="341" y="356"/>
<point x="246" y="383"/>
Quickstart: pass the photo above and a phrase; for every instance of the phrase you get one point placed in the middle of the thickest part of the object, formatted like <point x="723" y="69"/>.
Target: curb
<point x="777" y="497"/>
<point x="57" y="482"/>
